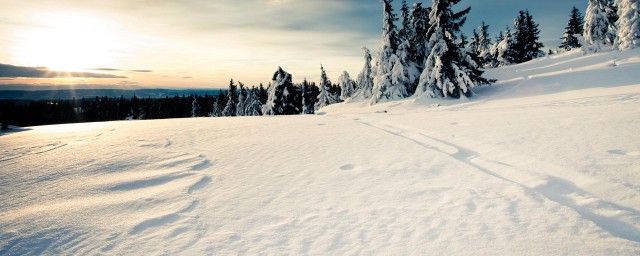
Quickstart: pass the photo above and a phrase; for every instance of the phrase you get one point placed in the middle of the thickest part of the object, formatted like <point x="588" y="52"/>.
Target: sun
<point x="67" y="42"/>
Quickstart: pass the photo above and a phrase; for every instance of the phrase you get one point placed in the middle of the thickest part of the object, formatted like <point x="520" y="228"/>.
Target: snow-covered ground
<point x="546" y="162"/>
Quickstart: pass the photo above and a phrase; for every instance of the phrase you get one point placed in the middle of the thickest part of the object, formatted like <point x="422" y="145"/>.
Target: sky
<point x="205" y="43"/>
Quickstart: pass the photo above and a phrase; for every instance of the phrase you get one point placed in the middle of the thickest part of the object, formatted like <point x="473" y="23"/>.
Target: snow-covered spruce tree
<point x="418" y="39"/>
<point x="405" y="71"/>
<point x="383" y="87"/>
<point x="194" y="106"/>
<point x="325" y="97"/>
<point x="599" y="25"/>
<point x="525" y="38"/>
<point x="364" y="83"/>
<point x="628" y="24"/>
<point x="481" y="44"/>
<point x="573" y="31"/>
<point x="281" y="95"/>
<point x="346" y="86"/>
<point x="242" y="97"/>
<point x="447" y="72"/>
<point x="253" y="106"/>
<point x="232" y="101"/>
<point x="505" y="53"/>
<point x="493" y="50"/>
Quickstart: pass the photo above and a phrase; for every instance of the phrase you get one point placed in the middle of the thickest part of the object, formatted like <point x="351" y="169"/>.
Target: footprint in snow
<point x="623" y="152"/>
<point x="347" y="167"/>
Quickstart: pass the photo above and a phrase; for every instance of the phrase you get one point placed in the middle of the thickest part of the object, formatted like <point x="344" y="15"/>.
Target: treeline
<point x="236" y="101"/>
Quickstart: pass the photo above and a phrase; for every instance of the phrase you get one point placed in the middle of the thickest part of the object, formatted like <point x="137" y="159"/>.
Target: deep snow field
<point x="545" y="162"/>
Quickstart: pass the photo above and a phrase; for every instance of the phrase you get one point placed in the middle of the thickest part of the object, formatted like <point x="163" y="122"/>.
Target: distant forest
<point x="230" y="102"/>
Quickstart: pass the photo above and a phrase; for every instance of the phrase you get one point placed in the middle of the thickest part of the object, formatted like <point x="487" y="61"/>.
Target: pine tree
<point x="242" y="97"/>
<point x="325" y="96"/>
<point x="262" y="94"/>
<point x="309" y="96"/>
<point x="525" y="38"/>
<point x="505" y="52"/>
<point x="483" y="45"/>
<point x="215" y="112"/>
<point x="346" y="86"/>
<point x="232" y="101"/>
<point x="383" y="87"/>
<point x="628" y="24"/>
<point x="448" y="72"/>
<point x="574" y="29"/>
<point x="281" y="95"/>
<point x="405" y="71"/>
<point x="599" y="25"/>
<point x="494" y="51"/>
<point x="418" y="38"/>
<point x="253" y="107"/>
<point x="194" y="106"/>
<point x="364" y="83"/>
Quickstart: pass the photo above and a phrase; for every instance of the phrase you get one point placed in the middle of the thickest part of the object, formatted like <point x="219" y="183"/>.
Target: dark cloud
<point x="41" y="72"/>
<point x="187" y="77"/>
<point x="115" y="69"/>
<point x="105" y="69"/>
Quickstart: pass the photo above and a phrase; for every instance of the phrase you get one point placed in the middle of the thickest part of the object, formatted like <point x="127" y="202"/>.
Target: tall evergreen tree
<point x="232" y="101"/>
<point x="364" y="83"/>
<point x="481" y="44"/>
<point x="418" y="38"/>
<point x="346" y="86"/>
<point x="525" y="35"/>
<point x="599" y="25"/>
<point x="253" y="107"/>
<point x="383" y="87"/>
<point x="494" y="51"/>
<point x="505" y="52"/>
<point x="325" y="95"/>
<point x="194" y="106"/>
<point x="405" y="70"/>
<point x="447" y="72"/>
<point x="574" y="29"/>
<point x="242" y="98"/>
<point x="281" y="95"/>
<point x="262" y="94"/>
<point x="309" y="97"/>
<point x="628" y="24"/>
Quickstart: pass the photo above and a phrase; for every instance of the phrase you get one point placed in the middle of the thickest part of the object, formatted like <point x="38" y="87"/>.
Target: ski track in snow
<point x="619" y="221"/>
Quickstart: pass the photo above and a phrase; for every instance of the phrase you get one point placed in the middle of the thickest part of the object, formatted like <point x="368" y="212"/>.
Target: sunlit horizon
<point x="201" y="44"/>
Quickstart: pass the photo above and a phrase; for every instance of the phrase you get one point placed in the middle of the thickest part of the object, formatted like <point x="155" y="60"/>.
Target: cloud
<point x="187" y="77"/>
<point x="105" y="69"/>
<point x="12" y="71"/>
<point x="115" y="69"/>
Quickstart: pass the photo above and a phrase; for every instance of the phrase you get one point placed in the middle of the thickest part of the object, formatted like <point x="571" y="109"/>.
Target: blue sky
<point x="204" y="43"/>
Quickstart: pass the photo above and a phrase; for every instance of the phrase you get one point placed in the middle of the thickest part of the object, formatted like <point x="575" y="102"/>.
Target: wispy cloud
<point x="12" y="71"/>
<point x="116" y="69"/>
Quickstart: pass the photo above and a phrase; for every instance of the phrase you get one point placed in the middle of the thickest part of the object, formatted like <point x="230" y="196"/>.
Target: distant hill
<point x="90" y="93"/>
